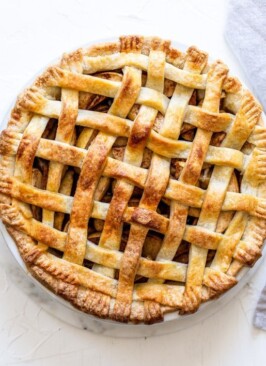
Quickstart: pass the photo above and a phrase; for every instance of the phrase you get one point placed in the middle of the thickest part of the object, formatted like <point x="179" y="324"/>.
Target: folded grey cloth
<point x="245" y="33"/>
<point x="259" y="319"/>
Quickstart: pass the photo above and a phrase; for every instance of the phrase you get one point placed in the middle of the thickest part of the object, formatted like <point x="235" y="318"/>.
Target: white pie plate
<point x="63" y="310"/>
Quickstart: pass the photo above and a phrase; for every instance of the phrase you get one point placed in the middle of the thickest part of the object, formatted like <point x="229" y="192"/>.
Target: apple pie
<point x="132" y="179"/>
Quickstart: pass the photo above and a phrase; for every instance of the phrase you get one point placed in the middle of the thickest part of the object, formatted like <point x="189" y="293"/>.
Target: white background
<point x="31" y="34"/>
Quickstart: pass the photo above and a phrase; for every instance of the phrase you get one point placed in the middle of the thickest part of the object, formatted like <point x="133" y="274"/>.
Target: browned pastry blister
<point x="132" y="179"/>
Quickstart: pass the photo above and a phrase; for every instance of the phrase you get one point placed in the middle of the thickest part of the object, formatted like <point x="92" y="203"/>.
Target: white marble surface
<point x="31" y="34"/>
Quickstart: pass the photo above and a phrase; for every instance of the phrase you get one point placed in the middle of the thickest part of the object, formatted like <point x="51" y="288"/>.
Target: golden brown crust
<point x="232" y="85"/>
<point x="131" y="44"/>
<point x="96" y="124"/>
<point x="9" y="142"/>
<point x="195" y="59"/>
<point x="247" y="252"/>
<point x="10" y="216"/>
<point x="219" y="282"/>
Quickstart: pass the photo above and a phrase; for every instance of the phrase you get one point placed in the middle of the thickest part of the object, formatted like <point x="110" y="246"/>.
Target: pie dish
<point x="133" y="179"/>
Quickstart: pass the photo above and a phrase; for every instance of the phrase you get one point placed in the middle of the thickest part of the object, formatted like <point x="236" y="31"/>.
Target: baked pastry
<point x="133" y="179"/>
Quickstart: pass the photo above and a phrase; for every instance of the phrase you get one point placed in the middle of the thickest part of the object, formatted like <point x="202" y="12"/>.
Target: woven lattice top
<point x="132" y="178"/>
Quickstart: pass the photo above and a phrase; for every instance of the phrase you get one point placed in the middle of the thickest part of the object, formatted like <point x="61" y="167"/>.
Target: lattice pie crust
<point x="133" y="179"/>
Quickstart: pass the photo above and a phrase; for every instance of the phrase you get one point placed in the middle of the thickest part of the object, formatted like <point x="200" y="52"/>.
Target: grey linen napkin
<point x="245" y="32"/>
